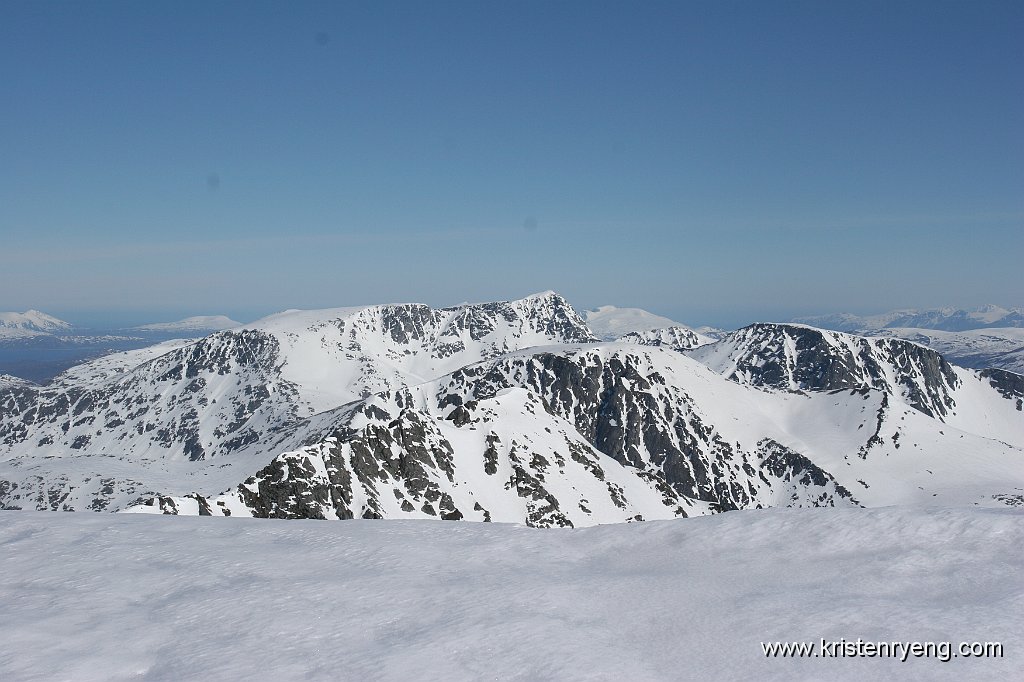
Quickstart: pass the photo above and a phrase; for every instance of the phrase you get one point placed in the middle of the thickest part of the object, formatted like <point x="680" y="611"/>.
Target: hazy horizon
<point x="100" y="320"/>
<point x="714" y="163"/>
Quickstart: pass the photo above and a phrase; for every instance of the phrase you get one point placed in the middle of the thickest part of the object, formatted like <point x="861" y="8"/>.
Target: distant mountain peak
<point x="30" y="323"/>
<point x="675" y="338"/>
<point x="548" y="293"/>
<point x="610" y="322"/>
<point x="195" y="323"/>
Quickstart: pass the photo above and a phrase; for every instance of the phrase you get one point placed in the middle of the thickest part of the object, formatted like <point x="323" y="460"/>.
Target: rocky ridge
<point x="508" y="411"/>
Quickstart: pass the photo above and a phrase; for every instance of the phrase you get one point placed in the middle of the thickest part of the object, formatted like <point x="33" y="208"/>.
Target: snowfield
<point x="116" y="597"/>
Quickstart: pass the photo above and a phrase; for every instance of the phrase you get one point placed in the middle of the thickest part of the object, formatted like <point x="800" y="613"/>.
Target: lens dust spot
<point x="530" y="224"/>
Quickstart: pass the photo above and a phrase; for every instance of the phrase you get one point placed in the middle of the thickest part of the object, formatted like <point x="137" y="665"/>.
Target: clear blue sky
<point x="716" y="162"/>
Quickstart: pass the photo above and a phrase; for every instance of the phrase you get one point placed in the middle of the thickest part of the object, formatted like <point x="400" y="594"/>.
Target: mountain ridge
<point x="507" y="411"/>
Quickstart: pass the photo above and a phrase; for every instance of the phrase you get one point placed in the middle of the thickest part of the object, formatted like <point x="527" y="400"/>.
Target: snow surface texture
<point x="29" y="323"/>
<point x="99" y="597"/>
<point x="199" y="323"/>
<point x="508" y="412"/>
<point x="945" y="319"/>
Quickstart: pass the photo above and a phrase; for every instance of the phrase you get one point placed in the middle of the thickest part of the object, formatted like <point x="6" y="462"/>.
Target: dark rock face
<point x="634" y="418"/>
<point x="402" y="453"/>
<point x="345" y="476"/>
<point x="801" y="479"/>
<point x="56" y="493"/>
<point x="1009" y="385"/>
<point x="444" y="332"/>
<point x="790" y="357"/>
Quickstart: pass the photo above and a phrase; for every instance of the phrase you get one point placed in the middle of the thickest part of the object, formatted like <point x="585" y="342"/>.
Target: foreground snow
<point x="90" y="597"/>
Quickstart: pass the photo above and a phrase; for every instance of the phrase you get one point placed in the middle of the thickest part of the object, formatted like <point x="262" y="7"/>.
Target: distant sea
<point x="40" y="358"/>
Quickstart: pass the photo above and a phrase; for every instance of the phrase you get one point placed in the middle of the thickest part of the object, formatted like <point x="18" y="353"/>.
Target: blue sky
<point x="716" y="162"/>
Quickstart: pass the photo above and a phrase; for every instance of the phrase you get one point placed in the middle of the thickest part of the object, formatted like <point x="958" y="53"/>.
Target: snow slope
<point x="119" y="597"/>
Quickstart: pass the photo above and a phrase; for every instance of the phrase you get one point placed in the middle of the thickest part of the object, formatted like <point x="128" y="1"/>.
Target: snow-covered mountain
<point x="944" y="319"/>
<point x="30" y="323"/>
<point x="987" y="337"/>
<point x="198" y="323"/>
<point x="800" y="358"/>
<point x="677" y="338"/>
<point x="714" y="333"/>
<point x="508" y="411"/>
<point x="609" y="322"/>
<point x="243" y="393"/>
<point x="635" y="325"/>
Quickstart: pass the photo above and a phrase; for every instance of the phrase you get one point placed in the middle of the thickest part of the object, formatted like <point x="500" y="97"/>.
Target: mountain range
<point x="1001" y="348"/>
<point x="30" y="323"/>
<point x="510" y="411"/>
<point x="989" y="336"/>
<point x="942" y="319"/>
